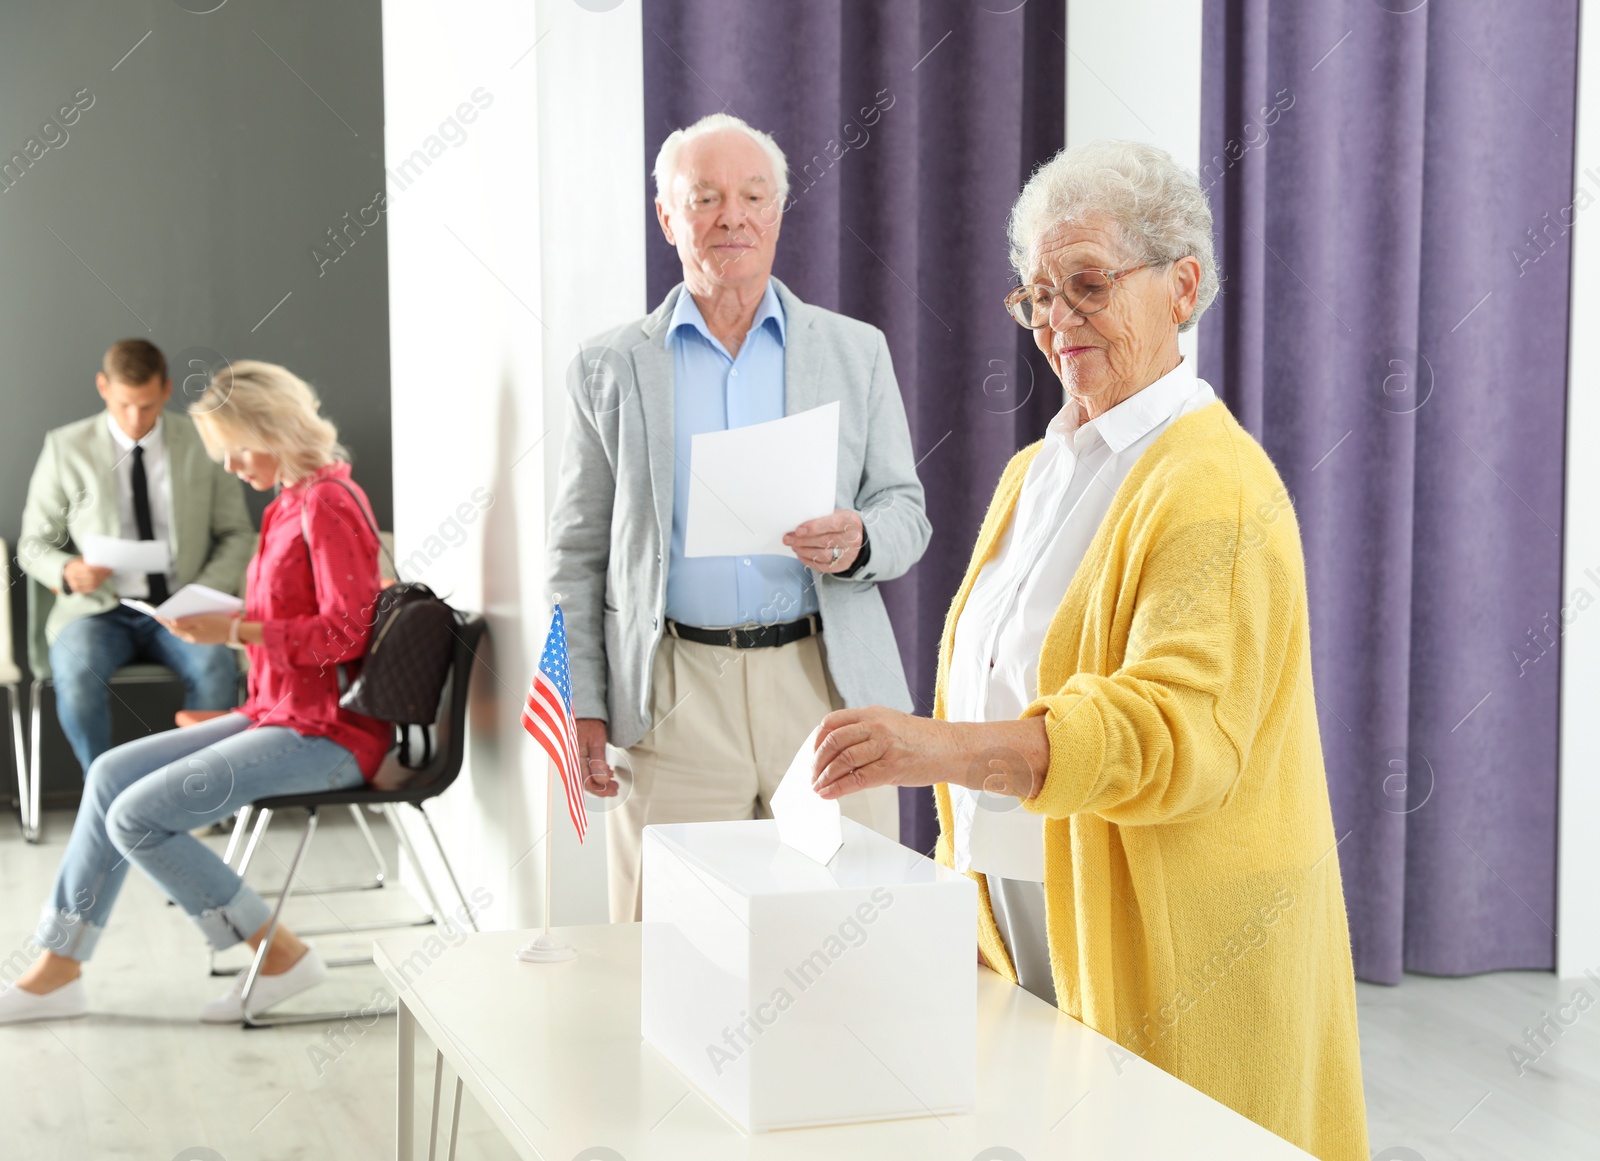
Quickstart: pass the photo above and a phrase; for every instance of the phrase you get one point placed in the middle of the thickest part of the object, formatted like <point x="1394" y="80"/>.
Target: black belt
<point x="750" y="636"/>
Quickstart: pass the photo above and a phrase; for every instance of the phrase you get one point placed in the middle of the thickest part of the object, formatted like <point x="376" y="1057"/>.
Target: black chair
<point x="392" y="787"/>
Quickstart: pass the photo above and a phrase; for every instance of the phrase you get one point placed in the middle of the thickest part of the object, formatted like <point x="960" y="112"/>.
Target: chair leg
<point x="240" y="825"/>
<point x="268" y="1020"/>
<point x="19" y="754"/>
<point x="363" y="885"/>
<point x="330" y="929"/>
<point x="33" y="830"/>
<point x="262" y="820"/>
<point x="466" y="908"/>
<point x="277" y="912"/>
<point x="366" y="832"/>
<point x="439" y="916"/>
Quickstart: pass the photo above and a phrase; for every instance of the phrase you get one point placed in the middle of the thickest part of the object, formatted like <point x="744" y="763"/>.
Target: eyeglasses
<point x="1086" y="292"/>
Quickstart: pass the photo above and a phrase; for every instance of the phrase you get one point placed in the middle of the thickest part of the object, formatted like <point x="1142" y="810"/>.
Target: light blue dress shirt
<point x="713" y="391"/>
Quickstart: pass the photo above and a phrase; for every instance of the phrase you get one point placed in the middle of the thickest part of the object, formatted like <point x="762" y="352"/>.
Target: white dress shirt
<point x="158" y="481"/>
<point x="994" y="663"/>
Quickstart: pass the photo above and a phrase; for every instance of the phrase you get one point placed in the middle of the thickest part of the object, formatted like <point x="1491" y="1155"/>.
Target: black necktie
<point x="141" y="517"/>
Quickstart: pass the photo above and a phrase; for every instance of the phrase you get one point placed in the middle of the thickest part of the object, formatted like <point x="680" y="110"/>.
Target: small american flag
<point x="548" y="717"/>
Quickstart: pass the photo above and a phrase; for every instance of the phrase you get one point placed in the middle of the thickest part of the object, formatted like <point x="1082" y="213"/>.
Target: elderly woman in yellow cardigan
<point x="1124" y="746"/>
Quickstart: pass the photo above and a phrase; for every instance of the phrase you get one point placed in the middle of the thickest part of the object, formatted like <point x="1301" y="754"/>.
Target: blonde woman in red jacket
<point x="311" y="586"/>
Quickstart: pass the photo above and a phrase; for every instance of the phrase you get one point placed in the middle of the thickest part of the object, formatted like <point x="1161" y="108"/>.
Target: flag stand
<point x="547" y="948"/>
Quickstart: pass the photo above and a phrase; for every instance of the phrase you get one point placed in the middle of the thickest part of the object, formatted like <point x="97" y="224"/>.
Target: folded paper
<point x="806" y="821"/>
<point x="189" y="601"/>
<point x="130" y="556"/>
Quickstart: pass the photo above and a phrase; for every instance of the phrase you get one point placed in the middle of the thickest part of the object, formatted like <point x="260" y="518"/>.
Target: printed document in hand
<point x="131" y="556"/>
<point x="806" y="822"/>
<point x="750" y="485"/>
<point x="189" y="601"/>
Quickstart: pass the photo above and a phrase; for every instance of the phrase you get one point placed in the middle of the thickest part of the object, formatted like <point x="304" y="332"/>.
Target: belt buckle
<point x="733" y="637"/>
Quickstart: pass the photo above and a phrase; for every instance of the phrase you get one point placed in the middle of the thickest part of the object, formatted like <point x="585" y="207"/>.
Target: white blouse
<point x="158" y="489"/>
<point x="994" y="664"/>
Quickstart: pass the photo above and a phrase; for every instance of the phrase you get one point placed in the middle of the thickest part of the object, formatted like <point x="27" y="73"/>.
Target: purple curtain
<point x="909" y="127"/>
<point x="1392" y="182"/>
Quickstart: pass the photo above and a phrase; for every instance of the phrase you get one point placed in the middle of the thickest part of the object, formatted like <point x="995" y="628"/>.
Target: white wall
<point x="591" y="184"/>
<point x="1133" y="72"/>
<point x="513" y="243"/>
<point x="1578" y="874"/>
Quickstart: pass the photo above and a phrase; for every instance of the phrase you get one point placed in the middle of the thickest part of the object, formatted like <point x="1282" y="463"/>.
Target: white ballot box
<point x="793" y="993"/>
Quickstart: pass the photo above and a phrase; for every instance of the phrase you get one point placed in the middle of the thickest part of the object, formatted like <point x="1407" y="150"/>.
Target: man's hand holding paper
<point x="829" y="543"/>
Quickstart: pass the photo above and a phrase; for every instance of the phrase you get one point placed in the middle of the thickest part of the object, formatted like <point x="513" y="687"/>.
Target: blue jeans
<point x="90" y="649"/>
<point x="141" y="800"/>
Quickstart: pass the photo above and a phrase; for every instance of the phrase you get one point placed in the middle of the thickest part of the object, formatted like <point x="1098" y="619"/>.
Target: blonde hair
<point x="269" y="408"/>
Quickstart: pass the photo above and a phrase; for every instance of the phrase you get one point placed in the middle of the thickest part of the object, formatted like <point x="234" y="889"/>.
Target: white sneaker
<point x="19" y="1007"/>
<point x="308" y="971"/>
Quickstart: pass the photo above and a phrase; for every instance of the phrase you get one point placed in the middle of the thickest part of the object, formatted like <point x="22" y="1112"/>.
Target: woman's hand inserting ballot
<point x="858" y="749"/>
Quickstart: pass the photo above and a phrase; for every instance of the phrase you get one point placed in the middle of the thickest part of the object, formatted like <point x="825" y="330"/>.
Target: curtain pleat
<point x="1375" y="168"/>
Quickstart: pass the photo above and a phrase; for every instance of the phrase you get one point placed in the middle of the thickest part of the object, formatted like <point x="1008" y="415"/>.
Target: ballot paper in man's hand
<point x="806" y="821"/>
<point x="750" y="485"/>
<point x="127" y="556"/>
<point x="189" y="601"/>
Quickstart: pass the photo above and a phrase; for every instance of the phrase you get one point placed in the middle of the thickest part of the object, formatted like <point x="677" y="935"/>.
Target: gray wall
<point x="184" y="203"/>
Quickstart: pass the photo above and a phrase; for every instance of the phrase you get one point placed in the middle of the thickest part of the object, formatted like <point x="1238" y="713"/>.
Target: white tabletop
<point x="553" y="1053"/>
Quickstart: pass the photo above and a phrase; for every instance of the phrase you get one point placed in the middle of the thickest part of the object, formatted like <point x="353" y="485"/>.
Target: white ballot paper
<point x="806" y="822"/>
<point x="750" y="485"/>
<point x="136" y="556"/>
<point x="189" y="601"/>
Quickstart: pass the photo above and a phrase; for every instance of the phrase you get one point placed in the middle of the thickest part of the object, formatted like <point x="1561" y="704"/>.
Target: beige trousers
<point x="727" y="725"/>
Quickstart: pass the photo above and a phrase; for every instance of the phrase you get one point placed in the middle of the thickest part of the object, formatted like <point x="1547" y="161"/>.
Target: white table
<point x="553" y="1053"/>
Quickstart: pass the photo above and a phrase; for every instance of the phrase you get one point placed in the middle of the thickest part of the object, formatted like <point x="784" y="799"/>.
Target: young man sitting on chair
<point x="134" y="473"/>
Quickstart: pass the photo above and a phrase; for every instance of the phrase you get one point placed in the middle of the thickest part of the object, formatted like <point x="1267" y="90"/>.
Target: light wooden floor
<point x="141" y="1078"/>
<point x="1441" y="1080"/>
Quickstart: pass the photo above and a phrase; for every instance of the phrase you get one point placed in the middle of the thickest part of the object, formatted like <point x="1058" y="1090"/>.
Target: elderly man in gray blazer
<point x="135" y="473"/>
<point x="711" y="671"/>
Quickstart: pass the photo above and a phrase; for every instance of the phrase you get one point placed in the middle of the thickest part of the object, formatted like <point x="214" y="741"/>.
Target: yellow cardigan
<point x="1194" y="908"/>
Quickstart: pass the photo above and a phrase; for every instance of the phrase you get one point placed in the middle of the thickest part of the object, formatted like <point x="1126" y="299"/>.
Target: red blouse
<point x="314" y="601"/>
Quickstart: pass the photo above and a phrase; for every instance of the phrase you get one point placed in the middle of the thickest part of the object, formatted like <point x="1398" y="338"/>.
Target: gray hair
<point x="1157" y="206"/>
<point x="667" y="158"/>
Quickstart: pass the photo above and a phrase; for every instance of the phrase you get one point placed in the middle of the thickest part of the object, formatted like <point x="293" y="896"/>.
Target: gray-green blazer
<point x="73" y="494"/>
<point x="612" y="519"/>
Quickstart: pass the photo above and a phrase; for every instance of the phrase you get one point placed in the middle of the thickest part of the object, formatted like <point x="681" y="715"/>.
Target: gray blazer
<point x="613" y="512"/>
<point x="73" y="493"/>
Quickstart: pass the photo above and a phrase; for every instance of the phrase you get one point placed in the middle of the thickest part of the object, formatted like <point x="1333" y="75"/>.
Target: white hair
<point x="667" y="158"/>
<point x="1157" y="206"/>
